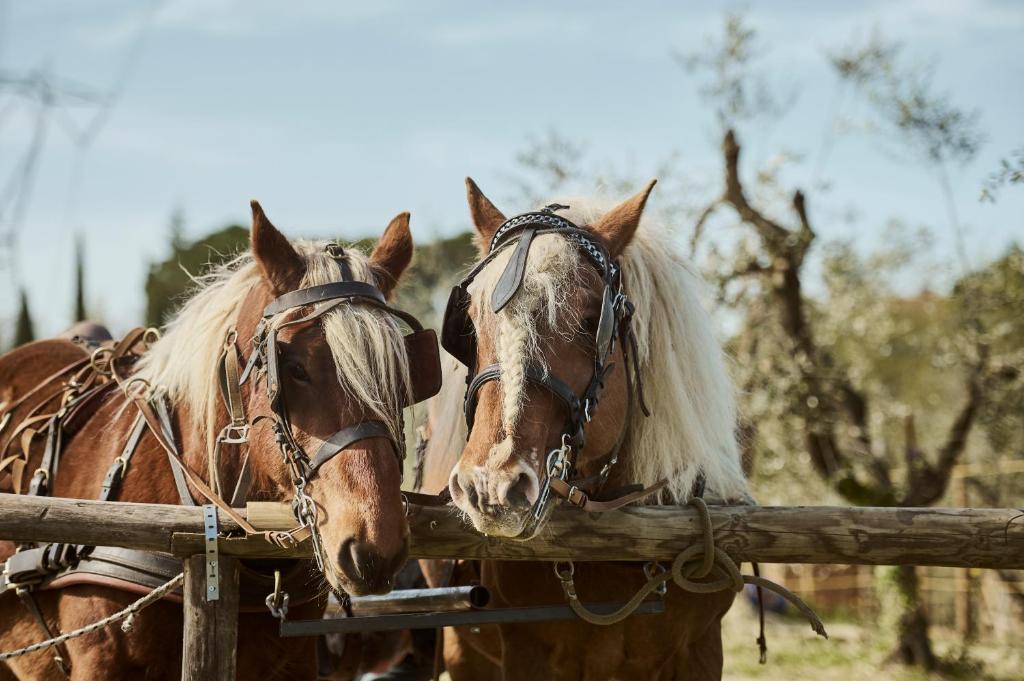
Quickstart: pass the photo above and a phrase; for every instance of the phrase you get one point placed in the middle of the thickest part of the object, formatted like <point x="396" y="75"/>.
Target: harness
<point x="77" y="390"/>
<point x="459" y="338"/>
<point x="425" y="381"/>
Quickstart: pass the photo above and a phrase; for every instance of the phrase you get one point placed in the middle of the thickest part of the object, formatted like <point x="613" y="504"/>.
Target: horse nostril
<point x="348" y="558"/>
<point x="458" y="487"/>
<point x="519" y="491"/>
<point x="472" y="496"/>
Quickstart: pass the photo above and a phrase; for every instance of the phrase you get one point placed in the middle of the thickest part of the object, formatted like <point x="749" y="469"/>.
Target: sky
<point x="339" y="115"/>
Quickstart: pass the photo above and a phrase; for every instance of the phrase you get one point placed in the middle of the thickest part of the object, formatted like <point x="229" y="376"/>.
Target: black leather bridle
<point x="458" y="337"/>
<point x="425" y="379"/>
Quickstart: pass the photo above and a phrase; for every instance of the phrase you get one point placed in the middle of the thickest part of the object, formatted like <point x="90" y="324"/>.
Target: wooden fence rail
<point x="988" y="538"/>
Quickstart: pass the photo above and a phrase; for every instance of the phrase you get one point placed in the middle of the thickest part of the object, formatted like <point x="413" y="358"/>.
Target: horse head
<point x="543" y="322"/>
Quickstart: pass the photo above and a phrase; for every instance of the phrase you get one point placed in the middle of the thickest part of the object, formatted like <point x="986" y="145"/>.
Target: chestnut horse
<point x="560" y="296"/>
<point x="350" y="365"/>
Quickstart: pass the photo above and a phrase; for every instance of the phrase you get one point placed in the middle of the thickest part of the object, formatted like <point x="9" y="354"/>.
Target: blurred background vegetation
<point x="858" y="383"/>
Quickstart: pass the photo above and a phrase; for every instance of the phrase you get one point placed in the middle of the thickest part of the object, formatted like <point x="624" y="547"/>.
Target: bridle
<point x="458" y="337"/>
<point x="425" y="381"/>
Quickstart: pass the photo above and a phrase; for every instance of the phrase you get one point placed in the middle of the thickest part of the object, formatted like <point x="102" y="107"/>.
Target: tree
<point x="24" y="332"/>
<point x="816" y="367"/>
<point x="80" y="312"/>
<point x="168" y="281"/>
<point x="874" y="393"/>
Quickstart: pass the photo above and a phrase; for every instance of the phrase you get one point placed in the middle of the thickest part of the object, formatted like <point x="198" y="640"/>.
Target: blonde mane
<point x="366" y="343"/>
<point x="684" y="370"/>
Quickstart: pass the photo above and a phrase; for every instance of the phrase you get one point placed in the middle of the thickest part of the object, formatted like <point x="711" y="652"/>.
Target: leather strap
<point x="40" y="484"/>
<point x="316" y="294"/>
<point x="74" y="366"/>
<point x="172" y="454"/>
<point x="243" y="484"/>
<point x="512" y="278"/>
<point x="579" y="498"/>
<point x="61" y="658"/>
<point x="345" y="438"/>
<point x="112" y="480"/>
<point x="534" y="375"/>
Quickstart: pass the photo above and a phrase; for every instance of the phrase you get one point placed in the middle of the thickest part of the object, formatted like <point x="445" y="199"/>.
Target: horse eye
<point x="296" y="371"/>
<point x="589" y="326"/>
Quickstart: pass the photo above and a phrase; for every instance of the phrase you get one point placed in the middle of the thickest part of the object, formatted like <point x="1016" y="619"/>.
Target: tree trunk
<point x="913" y="646"/>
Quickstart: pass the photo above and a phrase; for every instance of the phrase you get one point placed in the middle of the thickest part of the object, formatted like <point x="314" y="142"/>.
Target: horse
<point x="345" y="368"/>
<point x="579" y="320"/>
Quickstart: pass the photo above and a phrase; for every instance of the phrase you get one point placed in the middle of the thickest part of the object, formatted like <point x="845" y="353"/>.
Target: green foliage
<point x="1011" y="171"/>
<point x="733" y="86"/>
<point x="169" y="280"/>
<point x="23" y="331"/>
<point x="905" y="104"/>
<point x="993" y="300"/>
<point x="436" y="267"/>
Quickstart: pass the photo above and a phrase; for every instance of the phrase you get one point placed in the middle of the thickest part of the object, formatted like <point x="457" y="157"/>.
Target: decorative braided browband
<point x="550" y="220"/>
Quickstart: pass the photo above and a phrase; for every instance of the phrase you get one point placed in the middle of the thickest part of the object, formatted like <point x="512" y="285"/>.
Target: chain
<point x="127" y="614"/>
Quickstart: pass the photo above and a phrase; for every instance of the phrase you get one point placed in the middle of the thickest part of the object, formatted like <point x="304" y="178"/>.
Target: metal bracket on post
<point x="212" y="559"/>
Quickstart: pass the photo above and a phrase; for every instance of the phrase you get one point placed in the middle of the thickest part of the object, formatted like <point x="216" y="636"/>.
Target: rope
<point x="693" y="563"/>
<point x="127" y="614"/>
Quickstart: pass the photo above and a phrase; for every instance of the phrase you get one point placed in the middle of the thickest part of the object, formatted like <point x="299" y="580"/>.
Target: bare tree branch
<point x="698" y="228"/>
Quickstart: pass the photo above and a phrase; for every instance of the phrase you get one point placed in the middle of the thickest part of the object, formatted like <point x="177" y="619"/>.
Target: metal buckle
<point x="653" y="569"/>
<point x="234" y="435"/>
<point x="576" y="496"/>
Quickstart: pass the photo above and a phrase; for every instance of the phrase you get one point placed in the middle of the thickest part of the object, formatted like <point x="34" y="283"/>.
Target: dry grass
<point x="854" y="651"/>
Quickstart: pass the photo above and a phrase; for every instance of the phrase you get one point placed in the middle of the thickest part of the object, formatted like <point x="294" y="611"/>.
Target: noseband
<point x="458" y="337"/>
<point x="425" y="381"/>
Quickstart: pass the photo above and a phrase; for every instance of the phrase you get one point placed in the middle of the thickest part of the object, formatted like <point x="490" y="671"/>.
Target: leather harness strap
<point x="579" y="497"/>
<point x="156" y="428"/>
<point x="345" y="438"/>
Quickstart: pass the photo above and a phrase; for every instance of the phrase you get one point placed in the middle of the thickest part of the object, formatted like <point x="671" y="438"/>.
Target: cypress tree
<point x="80" y="313"/>
<point x="23" y="331"/>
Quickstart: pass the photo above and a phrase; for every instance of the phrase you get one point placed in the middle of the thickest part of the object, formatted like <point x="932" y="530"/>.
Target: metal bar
<point x="431" y="620"/>
<point x="447" y="599"/>
<point x="212" y="566"/>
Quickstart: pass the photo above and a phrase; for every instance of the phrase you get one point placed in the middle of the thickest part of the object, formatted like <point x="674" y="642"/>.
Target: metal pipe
<point x="447" y="599"/>
<point x="432" y="620"/>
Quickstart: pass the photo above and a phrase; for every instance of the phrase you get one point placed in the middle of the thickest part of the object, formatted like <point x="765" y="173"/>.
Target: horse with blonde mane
<point x="195" y="426"/>
<point x="540" y="375"/>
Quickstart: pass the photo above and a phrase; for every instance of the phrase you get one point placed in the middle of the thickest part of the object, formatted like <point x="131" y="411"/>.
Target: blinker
<point x="606" y="324"/>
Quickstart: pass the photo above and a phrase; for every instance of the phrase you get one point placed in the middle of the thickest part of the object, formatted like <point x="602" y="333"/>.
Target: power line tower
<point x="49" y="100"/>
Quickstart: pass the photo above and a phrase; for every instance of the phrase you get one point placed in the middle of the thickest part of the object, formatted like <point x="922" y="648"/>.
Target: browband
<point x="317" y="294"/>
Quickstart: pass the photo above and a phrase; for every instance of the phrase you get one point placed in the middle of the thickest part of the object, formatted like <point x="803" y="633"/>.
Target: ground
<point x="853" y="652"/>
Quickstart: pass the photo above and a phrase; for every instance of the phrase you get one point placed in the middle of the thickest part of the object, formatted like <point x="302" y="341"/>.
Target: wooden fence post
<point x="962" y="597"/>
<point x="211" y="627"/>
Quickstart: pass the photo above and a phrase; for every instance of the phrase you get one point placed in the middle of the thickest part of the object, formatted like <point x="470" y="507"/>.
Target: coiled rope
<point x="696" y="562"/>
<point x="127" y="614"/>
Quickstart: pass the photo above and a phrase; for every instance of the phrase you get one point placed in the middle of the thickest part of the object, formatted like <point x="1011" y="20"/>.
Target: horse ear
<point x="617" y="227"/>
<point x="280" y="263"/>
<point x="392" y="254"/>
<point x="486" y="218"/>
